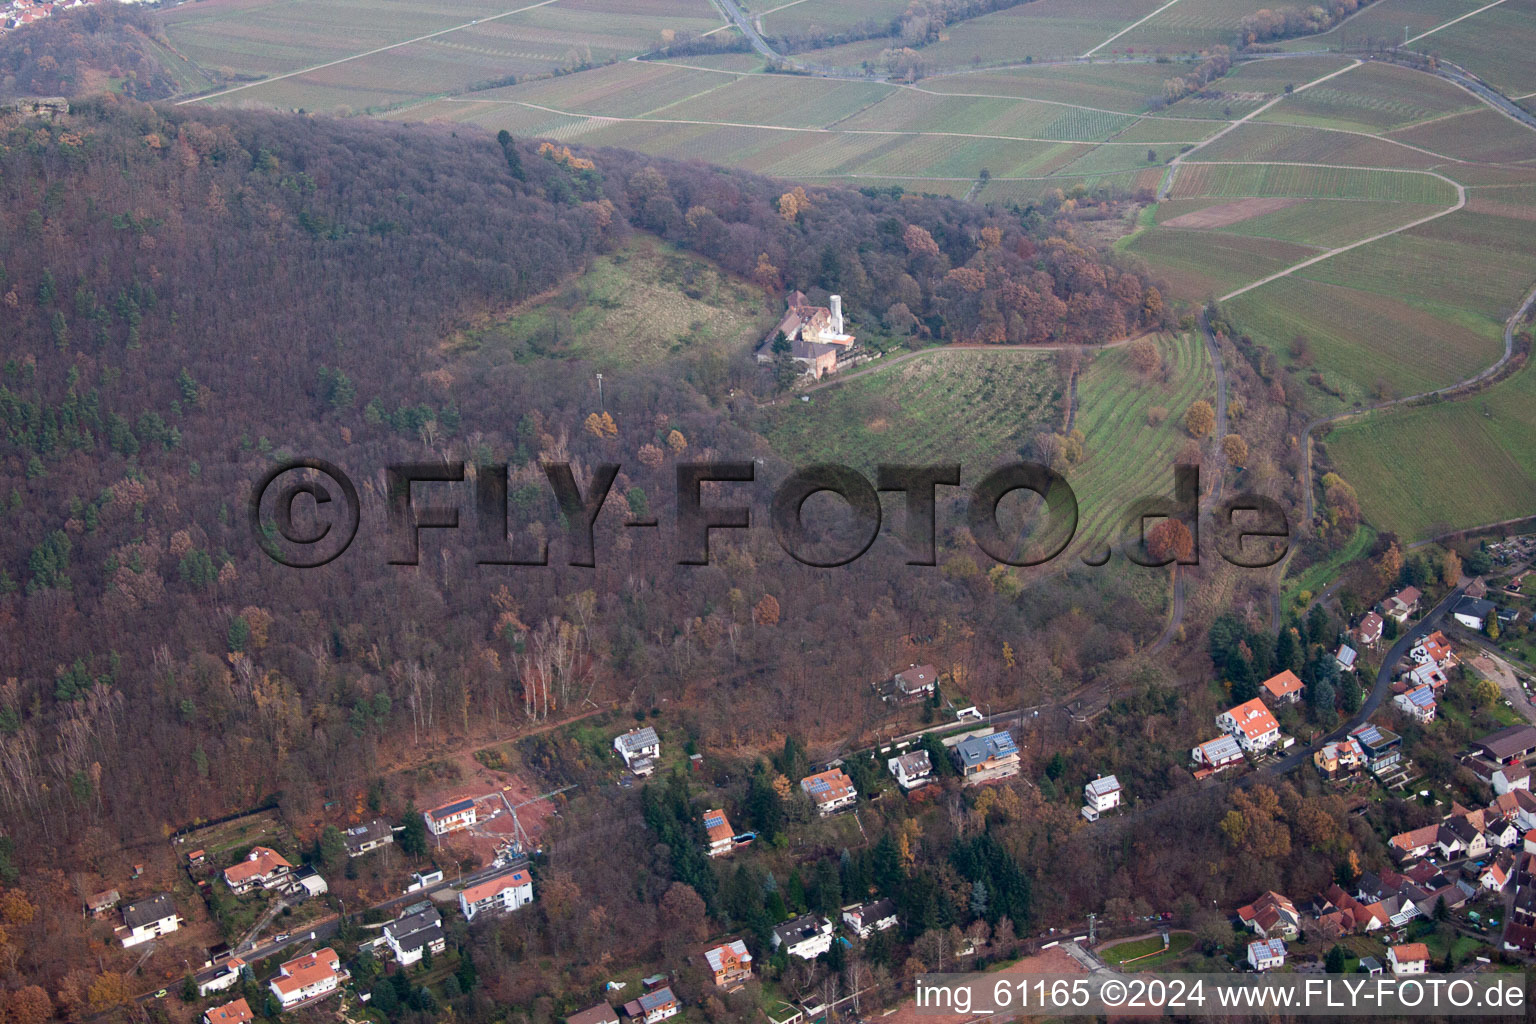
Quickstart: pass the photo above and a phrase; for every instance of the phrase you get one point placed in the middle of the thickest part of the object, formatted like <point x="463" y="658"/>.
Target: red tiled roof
<point x="1284" y="684"/>
<point x="237" y="1012"/>
<point x="492" y="886"/>
<point x="307" y="970"/>
<point x="1253" y="718"/>
<point x="1409" y="952"/>
<point x="261" y="861"/>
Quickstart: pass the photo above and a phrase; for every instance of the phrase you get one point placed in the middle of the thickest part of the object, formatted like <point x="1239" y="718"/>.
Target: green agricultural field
<point x="1191" y="25"/>
<point x="1178" y="944"/>
<point x="1384" y="24"/>
<point x="909" y="109"/>
<point x="638" y="306"/>
<point x="975" y="407"/>
<point x="1482" y="135"/>
<point x="1365" y="346"/>
<point x="1465" y="261"/>
<point x="1298" y="144"/>
<point x="1126" y="87"/>
<point x="1452" y="464"/>
<point x="369" y="55"/>
<point x="1202" y="264"/>
<point x="790" y="18"/>
<point x="1495" y="44"/>
<point x="625" y="89"/>
<point x="1127" y="457"/>
<point x="785" y="100"/>
<point x="1375" y="97"/>
<point x="1319" y="222"/>
<point x="1237" y="181"/>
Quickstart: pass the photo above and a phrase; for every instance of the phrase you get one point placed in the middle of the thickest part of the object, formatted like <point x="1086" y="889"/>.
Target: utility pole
<point x="600" y="407"/>
<point x="1092" y="930"/>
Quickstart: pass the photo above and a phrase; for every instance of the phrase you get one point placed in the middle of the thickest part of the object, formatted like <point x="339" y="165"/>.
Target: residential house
<point x="1271" y="916"/>
<point x="1345" y="657"/>
<point x="1370" y="965"/>
<point x="1341" y="758"/>
<point x="308" y="978"/>
<point x="237" y="1012"/>
<point x="1215" y="755"/>
<point x="1368" y="632"/>
<point x="102" y="904"/>
<point x="730" y="963"/>
<point x="916" y="682"/>
<point x="498" y="894"/>
<point x="368" y="837"/>
<point x="912" y="769"/>
<point x="1500" y="831"/>
<point x="1510" y="744"/>
<point x="814" y="335"/>
<point x="721" y="836"/>
<point x="1495" y="877"/>
<point x="1252" y="725"/>
<point x="1428" y="674"/>
<point x="307" y="882"/>
<point x="1417" y="703"/>
<point x="831" y="790"/>
<point x="1473" y="612"/>
<point x="864" y="919"/>
<point x="807" y="936"/>
<point x="1266" y="954"/>
<point x="452" y="817"/>
<point x="1402" y="605"/>
<point x="418" y="932"/>
<point x="1434" y="649"/>
<point x="987" y="758"/>
<point x="1282" y="688"/>
<point x="1383" y="748"/>
<point x="602" y="1013"/>
<point x="228" y="977"/>
<point x="1502" y="777"/>
<point x="1414" y="843"/>
<point x="262" y="867"/>
<point x="653" y="1006"/>
<point x="639" y="748"/>
<point x="148" y="919"/>
<point x="1345" y="914"/>
<point x="1409" y="958"/>
<point x="1102" y="794"/>
<point x="1457" y="836"/>
<point x="1519" y="938"/>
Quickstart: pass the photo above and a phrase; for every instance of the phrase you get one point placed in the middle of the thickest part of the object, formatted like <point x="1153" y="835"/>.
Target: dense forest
<point x="188" y="297"/>
<point x="84" y="50"/>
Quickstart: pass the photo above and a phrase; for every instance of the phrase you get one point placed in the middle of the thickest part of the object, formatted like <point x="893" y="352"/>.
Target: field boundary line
<point x="1127" y="28"/>
<point x="366" y="53"/>
<point x="688" y="67"/>
<point x="1453" y="21"/>
<point x="1461" y="201"/>
<point x="821" y="130"/>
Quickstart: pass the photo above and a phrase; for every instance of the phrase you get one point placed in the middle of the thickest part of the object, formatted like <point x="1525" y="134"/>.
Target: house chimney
<point x="837" y="313"/>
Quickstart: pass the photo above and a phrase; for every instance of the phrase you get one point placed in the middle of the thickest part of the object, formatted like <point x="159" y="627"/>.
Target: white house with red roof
<point x="497" y="895"/>
<point x="831" y="790"/>
<point x="1409" y="958"/>
<point x="1252" y="725"/>
<point x="718" y="827"/>
<point x="308" y="978"/>
<point x="237" y="1012"/>
<point x="262" y="866"/>
<point x="1435" y="650"/>
<point x="1271" y="916"/>
<point x="1282" y="688"/>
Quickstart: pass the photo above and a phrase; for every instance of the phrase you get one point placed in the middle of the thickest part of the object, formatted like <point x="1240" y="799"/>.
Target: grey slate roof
<point x="156" y="908"/>
<point x="975" y="750"/>
<point x="416" y="930"/>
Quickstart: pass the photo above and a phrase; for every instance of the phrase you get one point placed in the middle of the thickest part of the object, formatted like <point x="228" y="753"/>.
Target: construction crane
<point x="521" y="843"/>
